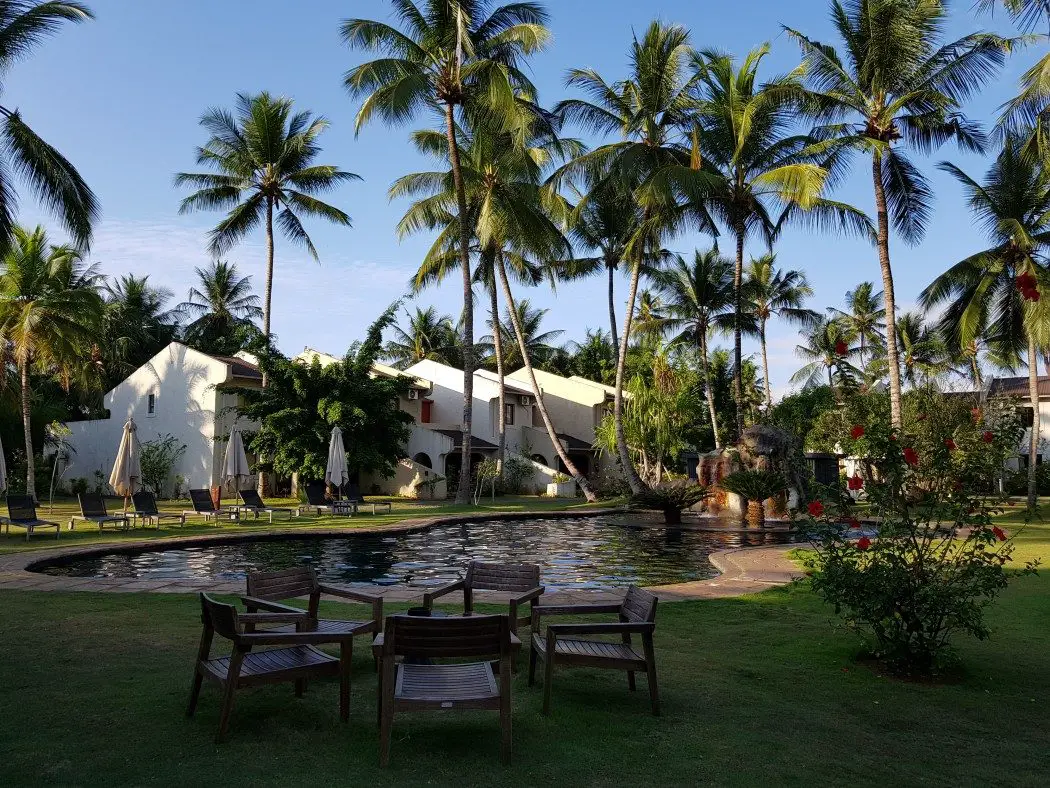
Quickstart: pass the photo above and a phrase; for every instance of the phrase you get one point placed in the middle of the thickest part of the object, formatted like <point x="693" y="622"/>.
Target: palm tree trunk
<point x="892" y="358"/>
<point x="622" y="450"/>
<point x="497" y="343"/>
<point x="738" y="369"/>
<point x="1033" y="441"/>
<point x="977" y="373"/>
<point x="263" y="485"/>
<point x="612" y="305"/>
<point x="508" y="296"/>
<point x="463" y="493"/>
<point x="765" y="365"/>
<point x="26" y="425"/>
<point x="709" y="389"/>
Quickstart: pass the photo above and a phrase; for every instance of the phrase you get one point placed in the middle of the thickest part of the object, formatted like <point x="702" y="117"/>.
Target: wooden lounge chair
<point x="317" y="501"/>
<point x="247" y="665"/>
<point x="203" y="506"/>
<point x="352" y="494"/>
<point x="443" y="687"/>
<point x="253" y="502"/>
<point x="145" y="504"/>
<point x="522" y="580"/>
<point x="93" y="510"/>
<point x="265" y="589"/>
<point x="21" y="513"/>
<point x="637" y="614"/>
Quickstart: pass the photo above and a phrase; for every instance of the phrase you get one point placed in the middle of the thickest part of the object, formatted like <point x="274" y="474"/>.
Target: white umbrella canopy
<point x="336" y="472"/>
<point x="126" y="475"/>
<point x="235" y="464"/>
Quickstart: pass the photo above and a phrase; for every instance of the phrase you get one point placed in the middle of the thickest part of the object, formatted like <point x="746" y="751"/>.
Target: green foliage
<point x="222" y="310"/>
<point x="159" y="458"/>
<point x="302" y="402"/>
<point x="754" y="485"/>
<point x="796" y="413"/>
<point x="671" y="498"/>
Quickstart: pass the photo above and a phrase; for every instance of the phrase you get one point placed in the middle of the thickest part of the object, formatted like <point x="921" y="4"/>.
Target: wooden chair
<point x="265" y="589"/>
<point x="352" y="495"/>
<point x="21" y="513"/>
<point x="253" y="502"/>
<point x="317" y="500"/>
<point x="409" y="686"/>
<point x="93" y="510"/>
<point x="204" y="506"/>
<point x="297" y="659"/>
<point x="637" y="614"/>
<point x="145" y="504"/>
<point x="520" y="579"/>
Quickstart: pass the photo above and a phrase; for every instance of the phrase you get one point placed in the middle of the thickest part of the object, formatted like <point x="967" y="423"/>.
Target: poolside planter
<point x="561" y="489"/>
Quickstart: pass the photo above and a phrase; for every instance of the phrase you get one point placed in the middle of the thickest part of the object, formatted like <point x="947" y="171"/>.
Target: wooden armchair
<point x="521" y="579"/>
<point x="637" y="614"/>
<point x="409" y="686"/>
<point x="297" y="659"/>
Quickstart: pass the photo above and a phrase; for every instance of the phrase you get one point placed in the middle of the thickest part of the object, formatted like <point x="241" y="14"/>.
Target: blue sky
<point x="121" y="97"/>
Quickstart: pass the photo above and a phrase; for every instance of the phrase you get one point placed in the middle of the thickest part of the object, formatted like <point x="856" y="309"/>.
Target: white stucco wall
<point x="573" y="403"/>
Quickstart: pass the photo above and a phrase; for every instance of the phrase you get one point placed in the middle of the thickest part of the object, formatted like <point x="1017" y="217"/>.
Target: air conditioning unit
<point x="413" y="393"/>
<point x="525" y="400"/>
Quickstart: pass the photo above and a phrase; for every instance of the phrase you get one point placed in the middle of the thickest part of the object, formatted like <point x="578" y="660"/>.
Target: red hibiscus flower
<point x="911" y="456"/>
<point x="988" y="436"/>
<point x="854" y="522"/>
<point x="1025" y="281"/>
<point x="841" y="348"/>
<point x="1031" y="295"/>
<point x="856" y="432"/>
<point x="863" y="543"/>
<point x="816" y="508"/>
<point x="1000" y="534"/>
<point x="855" y="482"/>
<point x="950" y="444"/>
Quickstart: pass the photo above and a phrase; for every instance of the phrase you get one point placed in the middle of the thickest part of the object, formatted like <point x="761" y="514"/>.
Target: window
<point x="1027" y="416"/>
<point x="508" y="411"/>
<point x="427" y="413"/>
<point x="151" y="405"/>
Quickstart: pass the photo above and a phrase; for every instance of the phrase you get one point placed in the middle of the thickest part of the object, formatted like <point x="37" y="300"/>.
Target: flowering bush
<point x="937" y="560"/>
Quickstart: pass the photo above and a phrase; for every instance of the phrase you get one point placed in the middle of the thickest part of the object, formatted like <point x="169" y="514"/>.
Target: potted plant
<point x="755" y="487"/>
<point x="561" y="486"/>
<point x="671" y="498"/>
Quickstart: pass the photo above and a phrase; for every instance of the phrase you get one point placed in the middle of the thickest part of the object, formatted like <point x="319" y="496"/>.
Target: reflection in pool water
<point x="586" y="553"/>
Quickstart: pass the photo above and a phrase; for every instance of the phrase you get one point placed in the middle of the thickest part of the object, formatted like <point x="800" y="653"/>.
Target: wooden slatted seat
<point x="93" y="510"/>
<point x="560" y="644"/>
<point x="521" y="580"/>
<point x="297" y="660"/>
<point x="204" y="506"/>
<point x="21" y="513"/>
<point x="410" y="686"/>
<point x="145" y="504"/>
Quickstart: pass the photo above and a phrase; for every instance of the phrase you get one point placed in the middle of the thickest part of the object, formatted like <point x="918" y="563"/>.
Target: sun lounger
<point x="93" y="510"/>
<point x="21" y="511"/>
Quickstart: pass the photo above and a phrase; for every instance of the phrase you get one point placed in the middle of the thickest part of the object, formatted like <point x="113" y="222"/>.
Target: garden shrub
<point x="671" y="498"/>
<point x="158" y="460"/>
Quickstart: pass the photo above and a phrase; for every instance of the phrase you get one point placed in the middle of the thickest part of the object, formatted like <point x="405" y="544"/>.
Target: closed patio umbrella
<point x="126" y="475"/>
<point x="235" y="464"/>
<point x="336" y="473"/>
<point x="3" y="469"/>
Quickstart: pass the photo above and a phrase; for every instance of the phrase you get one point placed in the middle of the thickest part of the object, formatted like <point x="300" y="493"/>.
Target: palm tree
<point x="698" y="299"/>
<point x="264" y="156"/>
<point x="593" y="358"/>
<point x="864" y="315"/>
<point x="449" y="55"/>
<point x="222" y="309"/>
<point x="52" y="178"/>
<point x="924" y="355"/>
<point x="747" y="139"/>
<point x="426" y="336"/>
<point x="771" y="293"/>
<point x="826" y="351"/>
<point x="896" y="83"/>
<point x="135" y="324"/>
<point x="49" y="315"/>
<point x="539" y="344"/>
<point x="995" y="291"/>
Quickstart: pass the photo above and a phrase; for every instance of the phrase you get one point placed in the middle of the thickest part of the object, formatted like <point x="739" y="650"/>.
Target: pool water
<point x="582" y="553"/>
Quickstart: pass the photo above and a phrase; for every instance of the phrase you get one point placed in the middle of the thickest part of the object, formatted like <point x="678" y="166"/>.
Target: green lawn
<point x="760" y="689"/>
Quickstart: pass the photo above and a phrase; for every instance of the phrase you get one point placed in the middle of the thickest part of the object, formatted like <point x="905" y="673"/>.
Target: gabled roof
<point x="309" y="355"/>
<point x="239" y="367"/>
<point x="475" y="442"/>
<point x="514" y="387"/>
<point x="1018" y="387"/>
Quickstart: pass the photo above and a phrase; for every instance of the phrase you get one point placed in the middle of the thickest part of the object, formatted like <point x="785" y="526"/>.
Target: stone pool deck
<point x="744" y="570"/>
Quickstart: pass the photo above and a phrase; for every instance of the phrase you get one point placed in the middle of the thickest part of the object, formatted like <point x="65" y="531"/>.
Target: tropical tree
<point x="997" y="290"/>
<point x="593" y="358"/>
<point x="539" y="344"/>
<point x="897" y="83"/>
<point x="49" y="317"/>
<point x="924" y="356"/>
<point x="50" y="176"/>
<point x="826" y="351"/>
<point x="772" y="292"/>
<point x="136" y="325"/>
<point x="698" y="299"/>
<point x="221" y="310"/>
<point x="864" y="316"/>
<point x="426" y="336"/>
<point x="449" y="56"/>
<point x="264" y="155"/>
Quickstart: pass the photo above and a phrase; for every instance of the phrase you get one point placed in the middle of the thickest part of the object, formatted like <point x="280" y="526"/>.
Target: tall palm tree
<point x="427" y="335"/>
<point x="826" y="351"/>
<point x="996" y="290"/>
<point x="748" y="141"/>
<point x="864" y="315"/>
<point x="924" y="355"/>
<point x="772" y="292"/>
<point x="449" y="56"/>
<point x="135" y="324"/>
<point x="222" y="309"/>
<point x="49" y="316"/>
<point x="264" y="157"/>
<point x="539" y="344"/>
<point x="50" y="176"/>
<point x="897" y="83"/>
<point x="698" y="299"/>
